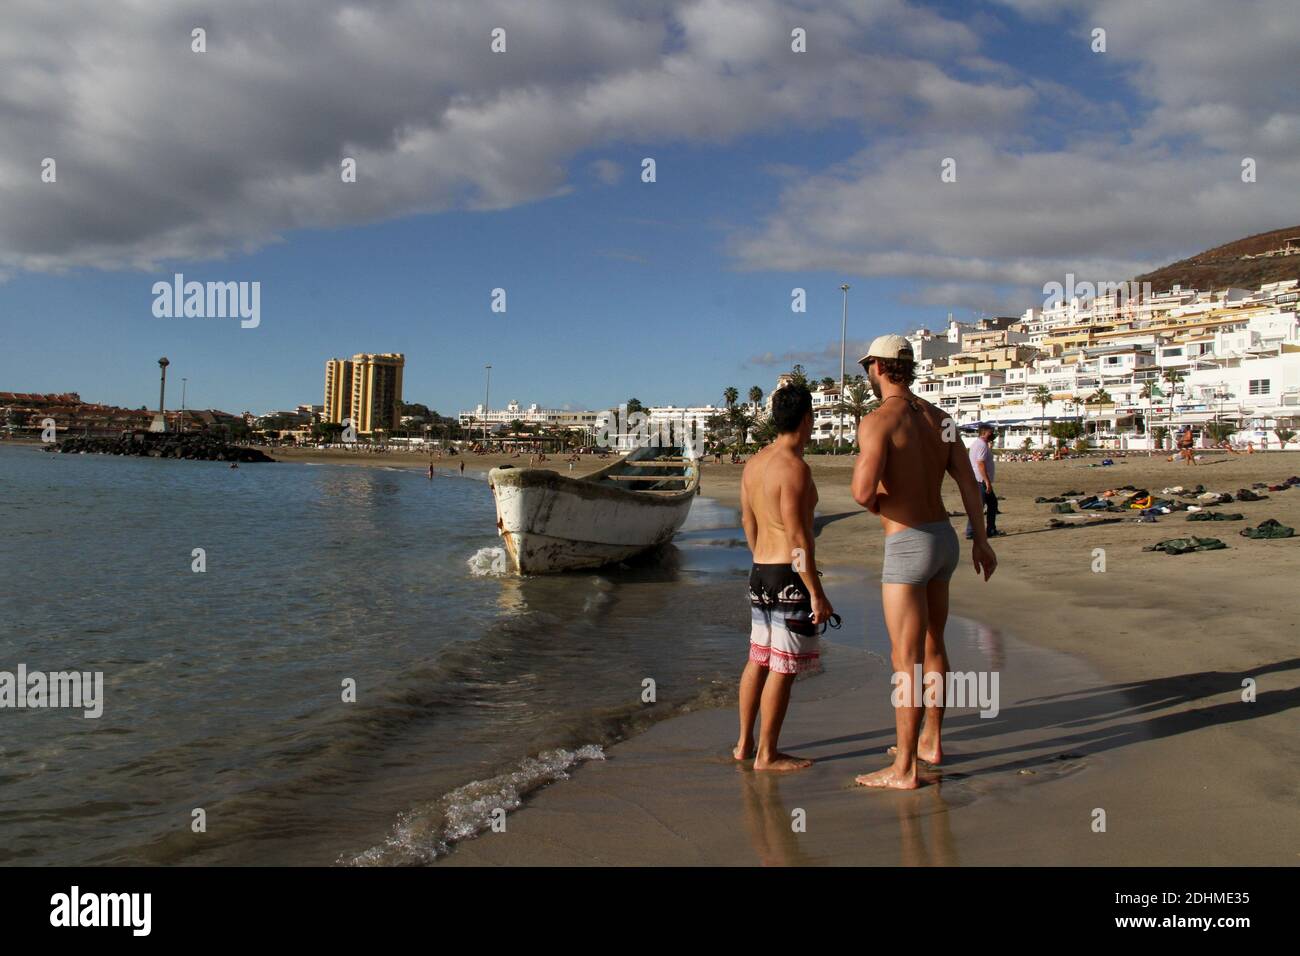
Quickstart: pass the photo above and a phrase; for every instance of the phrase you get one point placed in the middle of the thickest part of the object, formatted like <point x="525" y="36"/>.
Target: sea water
<point x="320" y="664"/>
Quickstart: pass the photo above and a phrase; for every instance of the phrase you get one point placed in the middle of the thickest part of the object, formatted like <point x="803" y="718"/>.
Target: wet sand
<point x="1121" y="691"/>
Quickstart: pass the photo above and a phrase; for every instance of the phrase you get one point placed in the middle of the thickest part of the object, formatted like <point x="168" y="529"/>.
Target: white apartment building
<point x="659" y="424"/>
<point x="534" y="414"/>
<point x="1180" y="358"/>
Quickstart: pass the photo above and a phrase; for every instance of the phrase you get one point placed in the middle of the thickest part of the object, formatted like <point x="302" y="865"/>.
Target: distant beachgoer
<point x="462" y="466"/>
<point x="982" y="463"/>
<point x="431" y="470"/>
<point x="1186" y="445"/>
<point x="787" y="603"/>
<point x="907" y="447"/>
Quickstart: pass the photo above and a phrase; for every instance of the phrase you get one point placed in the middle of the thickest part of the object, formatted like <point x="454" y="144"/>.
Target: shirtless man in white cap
<point x="907" y="446"/>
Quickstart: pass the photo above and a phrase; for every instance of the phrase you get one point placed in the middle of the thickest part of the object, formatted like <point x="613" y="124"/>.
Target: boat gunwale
<point x="591" y="484"/>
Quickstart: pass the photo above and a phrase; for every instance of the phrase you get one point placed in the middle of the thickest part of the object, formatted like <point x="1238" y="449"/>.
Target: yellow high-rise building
<point x="338" y="390"/>
<point x="367" y="389"/>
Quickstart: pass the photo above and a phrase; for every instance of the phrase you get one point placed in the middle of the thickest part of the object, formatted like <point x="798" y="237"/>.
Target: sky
<point x="522" y="169"/>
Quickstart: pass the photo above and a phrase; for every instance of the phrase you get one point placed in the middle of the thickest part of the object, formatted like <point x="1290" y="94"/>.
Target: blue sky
<point x="771" y="173"/>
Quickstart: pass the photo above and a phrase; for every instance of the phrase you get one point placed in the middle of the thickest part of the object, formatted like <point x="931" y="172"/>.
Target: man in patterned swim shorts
<point x="787" y="604"/>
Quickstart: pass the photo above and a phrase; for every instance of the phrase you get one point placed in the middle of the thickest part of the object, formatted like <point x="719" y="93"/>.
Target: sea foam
<point x="425" y="833"/>
<point x="488" y="562"/>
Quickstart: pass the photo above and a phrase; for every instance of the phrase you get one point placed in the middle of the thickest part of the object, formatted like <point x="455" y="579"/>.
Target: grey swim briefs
<point x="920" y="555"/>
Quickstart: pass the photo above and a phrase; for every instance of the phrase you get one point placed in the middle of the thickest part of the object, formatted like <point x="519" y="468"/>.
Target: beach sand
<point x="1121" y="691"/>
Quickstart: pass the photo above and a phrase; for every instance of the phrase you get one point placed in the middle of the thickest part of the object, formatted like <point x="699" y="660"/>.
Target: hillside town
<point x="1119" y="369"/>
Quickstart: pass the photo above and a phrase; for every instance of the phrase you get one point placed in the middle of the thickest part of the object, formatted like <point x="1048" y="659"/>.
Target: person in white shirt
<point x="981" y="462"/>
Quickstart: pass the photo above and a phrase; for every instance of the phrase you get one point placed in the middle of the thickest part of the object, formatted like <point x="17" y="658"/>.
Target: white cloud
<point x="1215" y="82"/>
<point x="168" y="154"/>
<point x="1101" y="211"/>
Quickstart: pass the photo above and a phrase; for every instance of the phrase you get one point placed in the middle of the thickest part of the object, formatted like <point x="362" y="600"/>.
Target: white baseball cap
<point x="889" y="347"/>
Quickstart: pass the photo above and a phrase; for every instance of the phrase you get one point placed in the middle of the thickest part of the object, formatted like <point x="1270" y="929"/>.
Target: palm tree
<point x="1173" y="378"/>
<point x="764" y="430"/>
<point x="828" y="383"/>
<point x="1285" y="436"/>
<point x="755" y="396"/>
<point x="741" y="422"/>
<point x="1099" y="397"/>
<point x="729" y="394"/>
<point x="1148" y="392"/>
<point x="1042" y="395"/>
<point x="1220" y="431"/>
<point x="634" y="405"/>
<point x="858" y="402"/>
<point x="798" y="376"/>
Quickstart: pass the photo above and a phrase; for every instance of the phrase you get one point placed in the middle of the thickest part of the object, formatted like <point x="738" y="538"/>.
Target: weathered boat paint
<point x="549" y="522"/>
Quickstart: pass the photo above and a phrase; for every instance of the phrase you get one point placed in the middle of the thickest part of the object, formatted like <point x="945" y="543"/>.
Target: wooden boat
<point x="550" y="522"/>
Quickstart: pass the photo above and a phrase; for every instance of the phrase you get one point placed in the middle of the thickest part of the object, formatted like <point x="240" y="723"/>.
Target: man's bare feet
<point x="889" y="779"/>
<point x="932" y="755"/>
<point x="742" y="751"/>
<point x="782" y="763"/>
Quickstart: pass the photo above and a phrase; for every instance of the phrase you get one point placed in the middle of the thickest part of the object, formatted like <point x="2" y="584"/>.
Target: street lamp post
<point x="162" y="394"/>
<point x="844" y="323"/>
<point x="487" y="391"/>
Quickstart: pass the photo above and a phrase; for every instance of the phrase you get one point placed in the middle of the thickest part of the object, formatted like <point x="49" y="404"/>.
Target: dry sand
<point x="1120" y="691"/>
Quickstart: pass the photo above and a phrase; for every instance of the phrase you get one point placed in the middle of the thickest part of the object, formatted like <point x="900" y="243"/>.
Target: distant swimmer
<point x="431" y="469"/>
<point x="462" y="468"/>
<point x="907" y="445"/>
<point x="787" y="603"/>
<point x="234" y="465"/>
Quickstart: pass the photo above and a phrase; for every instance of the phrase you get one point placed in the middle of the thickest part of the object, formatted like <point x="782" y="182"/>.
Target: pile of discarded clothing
<point x="1271" y="528"/>
<point x="1119" y="500"/>
<point x="1149" y="505"/>
<point x="1187" y="545"/>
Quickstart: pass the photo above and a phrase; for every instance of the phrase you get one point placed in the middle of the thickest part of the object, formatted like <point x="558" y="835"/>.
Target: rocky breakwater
<point x="196" y="447"/>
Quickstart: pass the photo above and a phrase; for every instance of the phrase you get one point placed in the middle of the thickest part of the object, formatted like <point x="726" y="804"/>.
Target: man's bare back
<point x="775" y="482"/>
<point x="903" y="442"/>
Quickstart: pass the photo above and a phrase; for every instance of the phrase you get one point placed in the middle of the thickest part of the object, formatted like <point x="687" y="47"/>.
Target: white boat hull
<point x="549" y="522"/>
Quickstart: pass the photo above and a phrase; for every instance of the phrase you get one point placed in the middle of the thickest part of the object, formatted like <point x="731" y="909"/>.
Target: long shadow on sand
<point x="1094" y="720"/>
<point x="823" y="520"/>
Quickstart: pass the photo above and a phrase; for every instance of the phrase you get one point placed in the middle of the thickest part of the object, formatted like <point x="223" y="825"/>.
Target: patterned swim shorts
<point x="782" y="635"/>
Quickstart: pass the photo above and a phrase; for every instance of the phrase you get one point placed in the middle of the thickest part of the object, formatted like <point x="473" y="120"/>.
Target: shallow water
<point x="224" y="688"/>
